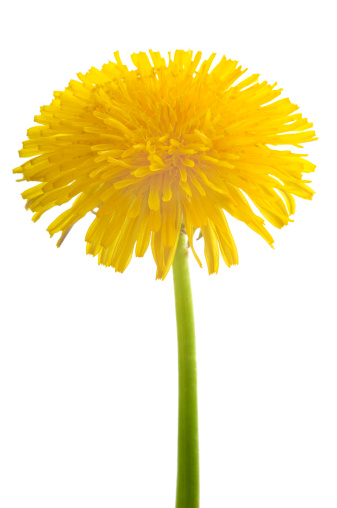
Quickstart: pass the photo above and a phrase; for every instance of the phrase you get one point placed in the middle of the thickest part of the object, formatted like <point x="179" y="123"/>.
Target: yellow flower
<point x="164" y="145"/>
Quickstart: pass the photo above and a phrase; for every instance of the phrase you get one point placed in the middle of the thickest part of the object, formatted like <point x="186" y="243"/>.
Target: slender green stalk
<point x="188" y="445"/>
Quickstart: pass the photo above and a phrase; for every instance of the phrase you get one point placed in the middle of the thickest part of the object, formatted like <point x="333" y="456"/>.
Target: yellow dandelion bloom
<point x="166" y="144"/>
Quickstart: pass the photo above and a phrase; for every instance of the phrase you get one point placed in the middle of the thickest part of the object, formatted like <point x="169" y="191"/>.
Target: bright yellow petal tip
<point x="167" y="144"/>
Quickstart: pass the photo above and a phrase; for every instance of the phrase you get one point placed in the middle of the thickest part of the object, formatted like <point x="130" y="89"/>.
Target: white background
<point x="88" y="364"/>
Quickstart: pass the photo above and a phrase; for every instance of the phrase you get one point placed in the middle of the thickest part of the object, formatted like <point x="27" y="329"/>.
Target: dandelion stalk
<point x="188" y="447"/>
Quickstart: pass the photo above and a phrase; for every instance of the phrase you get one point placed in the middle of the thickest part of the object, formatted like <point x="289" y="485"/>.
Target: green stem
<point x="188" y="447"/>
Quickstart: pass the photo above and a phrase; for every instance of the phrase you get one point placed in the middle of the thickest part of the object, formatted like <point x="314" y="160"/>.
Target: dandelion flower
<point x="169" y="143"/>
<point x="157" y="153"/>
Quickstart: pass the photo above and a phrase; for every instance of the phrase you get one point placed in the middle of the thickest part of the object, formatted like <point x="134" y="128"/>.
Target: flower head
<point x="163" y="145"/>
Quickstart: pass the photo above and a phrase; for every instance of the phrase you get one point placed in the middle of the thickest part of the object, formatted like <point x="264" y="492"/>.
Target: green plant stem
<point x="188" y="445"/>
